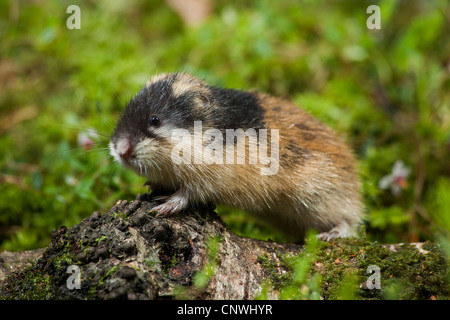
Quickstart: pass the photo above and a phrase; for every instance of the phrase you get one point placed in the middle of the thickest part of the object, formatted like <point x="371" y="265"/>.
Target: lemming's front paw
<point x="172" y="205"/>
<point x="166" y="209"/>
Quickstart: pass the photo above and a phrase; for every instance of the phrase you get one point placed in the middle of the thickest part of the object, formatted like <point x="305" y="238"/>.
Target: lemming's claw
<point x="327" y="236"/>
<point x="342" y="230"/>
<point x="166" y="209"/>
<point x="173" y="203"/>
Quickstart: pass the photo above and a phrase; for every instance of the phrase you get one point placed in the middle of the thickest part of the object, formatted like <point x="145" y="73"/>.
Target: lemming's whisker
<point x="94" y="167"/>
<point x="81" y="128"/>
<point x="83" y="151"/>
<point x="110" y="125"/>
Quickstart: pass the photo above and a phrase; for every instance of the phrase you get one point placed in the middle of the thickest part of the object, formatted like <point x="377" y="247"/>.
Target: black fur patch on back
<point x="237" y="109"/>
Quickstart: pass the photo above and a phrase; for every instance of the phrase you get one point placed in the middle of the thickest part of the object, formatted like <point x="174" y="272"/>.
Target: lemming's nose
<point x="125" y="148"/>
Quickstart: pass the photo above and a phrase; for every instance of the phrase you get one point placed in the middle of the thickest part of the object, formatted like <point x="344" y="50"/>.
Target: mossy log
<point x="130" y="253"/>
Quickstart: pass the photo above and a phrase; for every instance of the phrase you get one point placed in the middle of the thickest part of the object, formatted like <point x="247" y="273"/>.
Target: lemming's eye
<point x="154" y="121"/>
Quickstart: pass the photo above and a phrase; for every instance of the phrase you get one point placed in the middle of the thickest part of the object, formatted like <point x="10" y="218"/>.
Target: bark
<point x="129" y="253"/>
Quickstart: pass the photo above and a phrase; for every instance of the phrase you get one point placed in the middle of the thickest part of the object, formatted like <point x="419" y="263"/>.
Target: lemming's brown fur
<point x="316" y="185"/>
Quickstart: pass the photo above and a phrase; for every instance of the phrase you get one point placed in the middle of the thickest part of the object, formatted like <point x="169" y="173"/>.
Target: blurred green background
<point x="387" y="91"/>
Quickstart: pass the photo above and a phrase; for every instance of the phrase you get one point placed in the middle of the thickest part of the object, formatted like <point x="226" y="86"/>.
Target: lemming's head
<point x="142" y="138"/>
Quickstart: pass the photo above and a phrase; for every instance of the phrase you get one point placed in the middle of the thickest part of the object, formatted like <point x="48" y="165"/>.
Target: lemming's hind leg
<point x="342" y="230"/>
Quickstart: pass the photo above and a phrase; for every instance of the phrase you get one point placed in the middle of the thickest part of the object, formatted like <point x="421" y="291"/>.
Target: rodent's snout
<point x="125" y="149"/>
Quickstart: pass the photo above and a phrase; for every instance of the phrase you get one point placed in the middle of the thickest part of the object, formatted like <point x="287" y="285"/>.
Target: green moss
<point x="340" y="271"/>
<point x="277" y="274"/>
<point x="63" y="260"/>
<point x="201" y="278"/>
<point x="291" y="275"/>
<point x="100" y="239"/>
<point x="152" y="263"/>
<point x="170" y="264"/>
<point x="417" y="275"/>
<point x="108" y="274"/>
<point x="30" y="284"/>
<point x="120" y="215"/>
